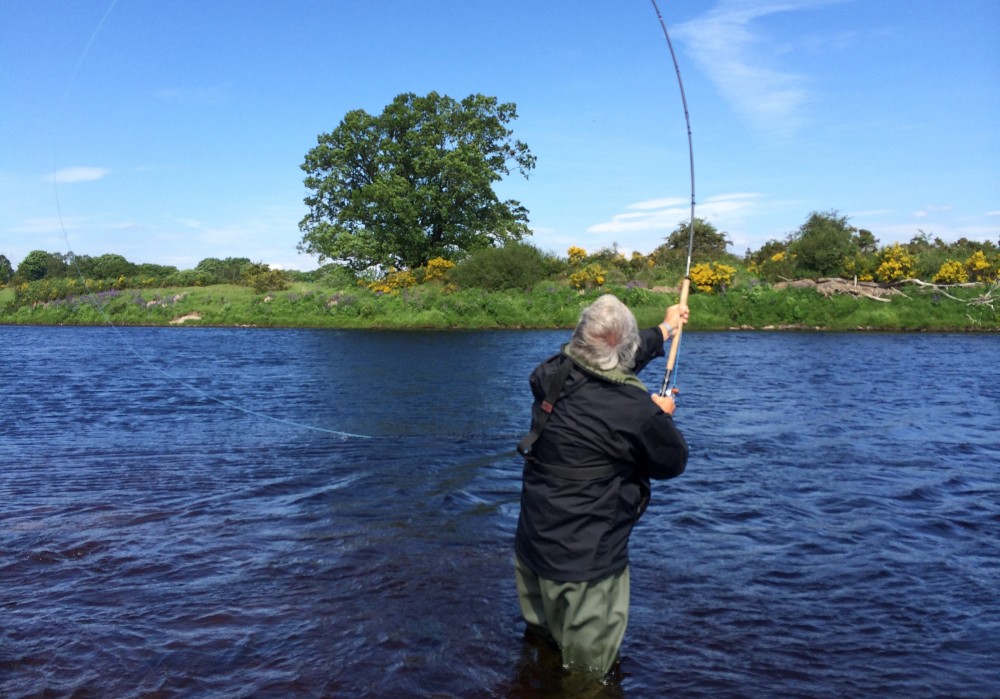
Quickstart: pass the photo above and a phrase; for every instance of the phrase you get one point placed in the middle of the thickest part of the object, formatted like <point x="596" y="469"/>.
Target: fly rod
<point x="669" y="377"/>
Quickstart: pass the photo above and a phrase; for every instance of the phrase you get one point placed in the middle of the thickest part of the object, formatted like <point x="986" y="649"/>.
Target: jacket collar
<point x="618" y="375"/>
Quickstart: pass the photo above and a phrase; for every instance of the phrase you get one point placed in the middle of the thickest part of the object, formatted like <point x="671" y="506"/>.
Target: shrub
<point x="895" y="264"/>
<point x="393" y="282"/>
<point x="978" y="267"/>
<point x="593" y="275"/>
<point x="576" y="255"/>
<point x="437" y="269"/>
<point x="951" y="272"/>
<point x="515" y="266"/>
<point x="712" y="276"/>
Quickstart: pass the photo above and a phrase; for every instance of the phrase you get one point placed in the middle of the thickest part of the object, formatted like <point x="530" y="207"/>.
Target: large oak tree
<point x="414" y="182"/>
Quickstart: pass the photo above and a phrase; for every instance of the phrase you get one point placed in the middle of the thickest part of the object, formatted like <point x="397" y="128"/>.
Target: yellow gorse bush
<point x="978" y="267"/>
<point x="951" y="272"/>
<point x="712" y="276"/>
<point x="591" y="275"/>
<point x="896" y="264"/>
<point x="437" y="269"/>
<point x="393" y="282"/>
<point x="576" y="255"/>
<point x="639" y="260"/>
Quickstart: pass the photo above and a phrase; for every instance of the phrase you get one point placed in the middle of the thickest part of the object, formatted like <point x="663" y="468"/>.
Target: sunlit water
<point x="254" y="513"/>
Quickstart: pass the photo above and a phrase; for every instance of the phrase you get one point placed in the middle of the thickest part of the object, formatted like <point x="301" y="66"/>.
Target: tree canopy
<point x="709" y="243"/>
<point x="824" y="242"/>
<point x="414" y="183"/>
<point x="6" y="270"/>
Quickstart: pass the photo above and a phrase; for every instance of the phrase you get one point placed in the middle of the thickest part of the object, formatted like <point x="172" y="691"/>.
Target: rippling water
<point x="244" y="513"/>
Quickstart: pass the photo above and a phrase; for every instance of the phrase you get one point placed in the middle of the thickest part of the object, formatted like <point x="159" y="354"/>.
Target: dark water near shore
<point x="169" y="527"/>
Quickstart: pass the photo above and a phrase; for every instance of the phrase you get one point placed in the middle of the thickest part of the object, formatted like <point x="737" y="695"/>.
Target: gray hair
<point x="607" y="335"/>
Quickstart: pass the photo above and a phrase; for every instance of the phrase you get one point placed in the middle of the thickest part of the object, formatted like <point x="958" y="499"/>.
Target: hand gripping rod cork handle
<point x="668" y="378"/>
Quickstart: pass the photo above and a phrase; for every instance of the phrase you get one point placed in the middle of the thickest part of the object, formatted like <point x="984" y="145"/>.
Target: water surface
<point x="243" y="513"/>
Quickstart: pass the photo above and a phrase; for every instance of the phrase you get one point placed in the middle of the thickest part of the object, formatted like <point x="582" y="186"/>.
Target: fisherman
<point x="597" y="438"/>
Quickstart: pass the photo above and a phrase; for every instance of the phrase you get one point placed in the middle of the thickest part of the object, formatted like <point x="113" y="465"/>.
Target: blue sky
<point x="169" y="132"/>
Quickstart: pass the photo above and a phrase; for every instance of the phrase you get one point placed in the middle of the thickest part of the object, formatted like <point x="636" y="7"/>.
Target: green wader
<point x="586" y="619"/>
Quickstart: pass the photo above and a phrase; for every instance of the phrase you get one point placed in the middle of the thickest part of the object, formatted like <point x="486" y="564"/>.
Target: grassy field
<point x="549" y="305"/>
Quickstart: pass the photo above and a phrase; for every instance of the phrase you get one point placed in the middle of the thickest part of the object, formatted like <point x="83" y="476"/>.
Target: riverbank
<point x="433" y="306"/>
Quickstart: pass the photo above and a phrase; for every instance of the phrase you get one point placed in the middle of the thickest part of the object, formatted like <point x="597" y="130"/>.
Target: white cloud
<point x="649" y="215"/>
<point x="928" y="210"/>
<point x="70" y="175"/>
<point x="739" y="58"/>
<point x="871" y="212"/>
<point x="666" y="214"/>
<point x="51" y="224"/>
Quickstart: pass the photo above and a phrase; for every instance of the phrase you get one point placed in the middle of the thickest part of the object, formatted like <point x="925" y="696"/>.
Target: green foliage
<point x="413" y="183"/>
<point x="6" y="270"/>
<point x="546" y="305"/>
<point x="262" y="278"/>
<point x="335" y="276"/>
<point x="635" y="296"/>
<point x="514" y="266"/>
<point x="108" y="266"/>
<point x="39" y="264"/>
<point x="589" y="276"/>
<point x="772" y="263"/>
<point x="232" y="270"/>
<point x="822" y="245"/>
<point x="709" y="244"/>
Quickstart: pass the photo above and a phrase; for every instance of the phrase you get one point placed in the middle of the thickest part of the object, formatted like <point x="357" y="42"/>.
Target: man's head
<point x="607" y="335"/>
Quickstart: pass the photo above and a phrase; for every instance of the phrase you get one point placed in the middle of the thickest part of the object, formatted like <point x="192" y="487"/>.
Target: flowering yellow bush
<point x="712" y="276"/>
<point x="591" y="275"/>
<point x="896" y="263"/>
<point x="437" y="268"/>
<point x="859" y="266"/>
<point x="978" y="267"/>
<point x="639" y="260"/>
<point x="576" y="255"/>
<point x="951" y="272"/>
<point x="778" y="256"/>
<point x="393" y="282"/>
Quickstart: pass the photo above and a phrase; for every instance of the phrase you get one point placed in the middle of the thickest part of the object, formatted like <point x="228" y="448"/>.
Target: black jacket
<point x="573" y="530"/>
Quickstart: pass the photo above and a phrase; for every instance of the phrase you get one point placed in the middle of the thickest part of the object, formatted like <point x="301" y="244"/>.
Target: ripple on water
<point x="824" y="540"/>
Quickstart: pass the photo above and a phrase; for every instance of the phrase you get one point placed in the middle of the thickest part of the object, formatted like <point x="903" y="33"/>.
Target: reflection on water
<point x="836" y="532"/>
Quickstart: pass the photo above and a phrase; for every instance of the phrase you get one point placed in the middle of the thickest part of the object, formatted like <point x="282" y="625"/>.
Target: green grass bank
<point x="548" y="305"/>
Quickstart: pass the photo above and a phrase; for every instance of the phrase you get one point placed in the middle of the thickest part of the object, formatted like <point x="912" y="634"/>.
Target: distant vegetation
<point x="401" y="205"/>
<point x="944" y="286"/>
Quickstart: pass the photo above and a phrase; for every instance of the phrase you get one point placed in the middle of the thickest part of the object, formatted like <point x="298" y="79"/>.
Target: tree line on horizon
<point x="407" y="196"/>
<point x="825" y="245"/>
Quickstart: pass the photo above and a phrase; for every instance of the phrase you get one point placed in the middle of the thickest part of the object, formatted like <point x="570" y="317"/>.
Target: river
<point x="190" y="512"/>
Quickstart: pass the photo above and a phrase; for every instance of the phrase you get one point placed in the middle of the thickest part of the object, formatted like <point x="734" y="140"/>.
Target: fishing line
<point x="669" y="376"/>
<point x="96" y="301"/>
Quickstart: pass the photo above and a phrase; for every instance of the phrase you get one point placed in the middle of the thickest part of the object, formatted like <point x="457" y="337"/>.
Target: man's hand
<point x="674" y="318"/>
<point x="666" y="403"/>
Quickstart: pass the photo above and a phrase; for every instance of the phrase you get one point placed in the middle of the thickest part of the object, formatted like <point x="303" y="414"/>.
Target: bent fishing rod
<point x="669" y="377"/>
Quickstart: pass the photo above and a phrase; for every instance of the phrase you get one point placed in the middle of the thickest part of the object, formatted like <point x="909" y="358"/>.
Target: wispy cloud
<point x="868" y="213"/>
<point x="70" y="175"/>
<point x="746" y="64"/>
<point x="51" y="224"/>
<point x="929" y="210"/>
<point x="666" y="214"/>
